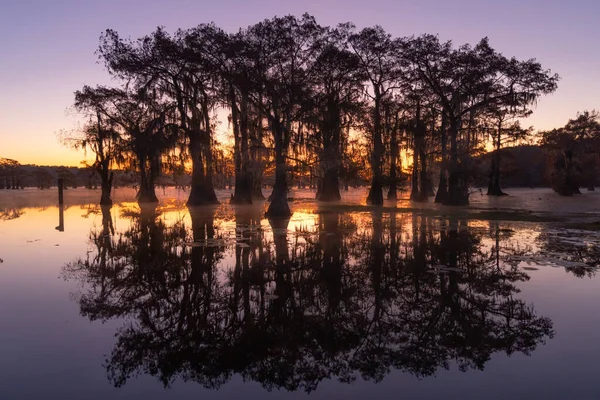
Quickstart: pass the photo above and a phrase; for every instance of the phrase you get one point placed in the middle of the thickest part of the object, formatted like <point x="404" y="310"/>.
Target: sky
<point x="47" y="49"/>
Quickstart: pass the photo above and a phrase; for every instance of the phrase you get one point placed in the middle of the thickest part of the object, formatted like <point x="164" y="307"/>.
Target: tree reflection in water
<point x="356" y="296"/>
<point x="578" y="251"/>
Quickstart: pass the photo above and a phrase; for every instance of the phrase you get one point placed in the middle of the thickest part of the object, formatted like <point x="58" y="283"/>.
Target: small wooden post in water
<point x="61" y="218"/>
<point x="60" y="191"/>
<point x="61" y="208"/>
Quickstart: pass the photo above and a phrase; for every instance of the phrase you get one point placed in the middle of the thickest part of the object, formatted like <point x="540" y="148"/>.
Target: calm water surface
<point x="166" y="302"/>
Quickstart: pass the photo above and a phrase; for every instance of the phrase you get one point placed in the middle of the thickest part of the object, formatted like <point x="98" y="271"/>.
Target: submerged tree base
<point x="240" y="200"/>
<point x="241" y="196"/>
<point x="456" y="200"/>
<point x="200" y="196"/>
<point x="494" y="188"/>
<point x="106" y="200"/>
<point x="257" y="193"/>
<point x="329" y="187"/>
<point x="329" y="193"/>
<point x="566" y="189"/>
<point x="375" y="196"/>
<point x="278" y="209"/>
<point x="496" y="192"/>
<point x="243" y="191"/>
<point x="146" y="196"/>
<point x="419" y="197"/>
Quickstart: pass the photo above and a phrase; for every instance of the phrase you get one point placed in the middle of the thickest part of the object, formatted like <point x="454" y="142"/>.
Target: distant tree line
<point x="336" y="103"/>
<point x="14" y="175"/>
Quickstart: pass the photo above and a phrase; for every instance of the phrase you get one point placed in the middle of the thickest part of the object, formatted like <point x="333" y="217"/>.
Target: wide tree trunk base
<point x="243" y="190"/>
<point x="441" y="196"/>
<point x="375" y="196"/>
<point x="240" y="200"/>
<point x="430" y="190"/>
<point x="456" y="202"/>
<point x="200" y="196"/>
<point x="257" y="193"/>
<point x="146" y="196"/>
<point x="460" y="201"/>
<point x="458" y="198"/>
<point x="495" y="191"/>
<point x="328" y="196"/>
<point x="564" y="191"/>
<point x="442" y="192"/>
<point x="278" y="208"/>
<point x="105" y="199"/>
<point x="420" y="199"/>
<point x="329" y="189"/>
<point x="148" y="211"/>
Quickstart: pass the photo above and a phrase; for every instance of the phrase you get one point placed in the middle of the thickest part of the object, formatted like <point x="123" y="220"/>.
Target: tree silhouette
<point x="578" y="138"/>
<point x="375" y="49"/>
<point x="313" y="104"/>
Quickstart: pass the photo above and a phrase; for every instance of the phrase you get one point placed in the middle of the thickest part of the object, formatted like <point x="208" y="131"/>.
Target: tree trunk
<point x="442" y="193"/>
<point x="106" y="185"/>
<point x="457" y="190"/>
<point x="393" y="192"/>
<point x="202" y="191"/>
<point x="427" y="185"/>
<point x="494" y="184"/>
<point x="424" y="190"/>
<point x="146" y="194"/>
<point x="329" y="187"/>
<point x="414" y="193"/>
<point x="568" y="187"/>
<point x="571" y="181"/>
<point x="419" y="184"/>
<point x="243" y="186"/>
<point x="257" y="155"/>
<point x="424" y="181"/>
<point x="279" y="208"/>
<point x="375" y="196"/>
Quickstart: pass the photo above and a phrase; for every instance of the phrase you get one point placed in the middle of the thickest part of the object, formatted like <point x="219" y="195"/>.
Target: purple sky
<point x="47" y="48"/>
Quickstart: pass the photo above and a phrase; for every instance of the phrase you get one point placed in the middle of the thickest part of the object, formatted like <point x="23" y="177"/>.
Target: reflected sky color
<point x="49" y="348"/>
<point x="47" y="49"/>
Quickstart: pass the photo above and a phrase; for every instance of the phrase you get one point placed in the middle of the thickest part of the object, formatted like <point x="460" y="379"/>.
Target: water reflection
<point x="578" y="251"/>
<point x="61" y="218"/>
<point x="351" y="296"/>
<point x="7" y="214"/>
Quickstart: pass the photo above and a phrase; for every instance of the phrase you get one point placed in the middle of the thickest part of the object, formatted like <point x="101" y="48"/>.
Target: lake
<point x="498" y="300"/>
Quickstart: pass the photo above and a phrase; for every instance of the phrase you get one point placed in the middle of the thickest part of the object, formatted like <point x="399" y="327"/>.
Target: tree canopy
<point x="297" y="94"/>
